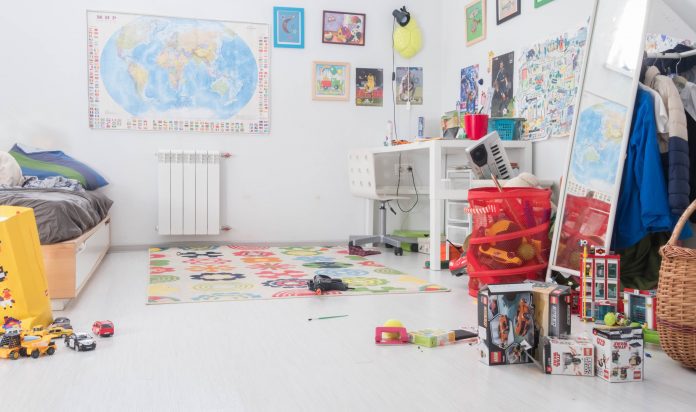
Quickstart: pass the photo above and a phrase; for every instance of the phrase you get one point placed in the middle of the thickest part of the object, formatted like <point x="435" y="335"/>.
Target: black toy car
<point x="80" y="342"/>
<point x="61" y="322"/>
<point x="323" y="283"/>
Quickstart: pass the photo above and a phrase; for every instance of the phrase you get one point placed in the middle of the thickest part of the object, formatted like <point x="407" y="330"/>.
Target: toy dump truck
<point x="13" y="345"/>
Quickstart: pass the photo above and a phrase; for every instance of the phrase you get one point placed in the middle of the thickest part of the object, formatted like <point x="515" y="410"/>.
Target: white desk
<point x="519" y="152"/>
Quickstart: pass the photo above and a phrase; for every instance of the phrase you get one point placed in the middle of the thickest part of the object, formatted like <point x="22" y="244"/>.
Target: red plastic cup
<point x="476" y="125"/>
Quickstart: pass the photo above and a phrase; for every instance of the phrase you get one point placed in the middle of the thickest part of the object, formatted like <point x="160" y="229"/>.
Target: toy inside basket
<point x="509" y="237"/>
<point x="509" y="128"/>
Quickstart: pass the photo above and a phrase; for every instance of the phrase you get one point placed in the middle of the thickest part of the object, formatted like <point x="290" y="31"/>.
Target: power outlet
<point x="405" y="168"/>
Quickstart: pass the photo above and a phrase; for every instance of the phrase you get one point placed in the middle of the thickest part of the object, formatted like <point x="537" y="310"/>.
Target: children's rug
<point x="233" y="272"/>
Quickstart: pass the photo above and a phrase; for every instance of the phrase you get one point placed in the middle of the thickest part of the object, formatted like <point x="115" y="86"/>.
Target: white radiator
<point x="188" y="192"/>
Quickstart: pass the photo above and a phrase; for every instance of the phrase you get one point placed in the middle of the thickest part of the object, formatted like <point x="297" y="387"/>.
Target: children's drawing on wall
<point x="660" y="42"/>
<point x="502" y="104"/>
<point x="369" y="88"/>
<point x="331" y="80"/>
<point x="469" y="89"/>
<point x="343" y="28"/>
<point x="549" y="74"/>
<point x="409" y="85"/>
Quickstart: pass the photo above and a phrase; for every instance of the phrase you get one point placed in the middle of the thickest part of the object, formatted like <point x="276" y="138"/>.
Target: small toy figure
<point x="103" y="328"/>
<point x="3" y="274"/>
<point x="80" y="342"/>
<point x="493" y="306"/>
<point x="635" y="359"/>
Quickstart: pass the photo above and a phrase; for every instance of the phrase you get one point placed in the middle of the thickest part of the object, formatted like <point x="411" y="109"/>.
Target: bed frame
<point x="70" y="264"/>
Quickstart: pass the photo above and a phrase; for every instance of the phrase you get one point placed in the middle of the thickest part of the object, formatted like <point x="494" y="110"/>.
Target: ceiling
<point x="684" y="8"/>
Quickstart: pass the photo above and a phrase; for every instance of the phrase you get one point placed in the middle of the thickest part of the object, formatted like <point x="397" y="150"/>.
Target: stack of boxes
<point x="533" y="319"/>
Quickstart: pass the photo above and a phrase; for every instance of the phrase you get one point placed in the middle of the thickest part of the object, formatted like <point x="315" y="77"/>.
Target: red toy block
<point x="402" y="339"/>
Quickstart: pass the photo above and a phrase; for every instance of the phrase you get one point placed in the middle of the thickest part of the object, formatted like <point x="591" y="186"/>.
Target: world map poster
<point x="176" y="74"/>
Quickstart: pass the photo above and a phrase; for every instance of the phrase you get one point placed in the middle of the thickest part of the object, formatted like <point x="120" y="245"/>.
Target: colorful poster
<point x="502" y="103"/>
<point x="331" y="81"/>
<point x="288" y="27"/>
<point x="475" y="17"/>
<point x="506" y="9"/>
<point x="369" y="87"/>
<point x="469" y="89"/>
<point x="549" y="80"/>
<point x="409" y="85"/>
<point x="176" y="74"/>
<point x="343" y="28"/>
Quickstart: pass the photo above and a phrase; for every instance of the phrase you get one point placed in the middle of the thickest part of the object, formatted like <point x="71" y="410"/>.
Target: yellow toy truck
<point x="13" y="345"/>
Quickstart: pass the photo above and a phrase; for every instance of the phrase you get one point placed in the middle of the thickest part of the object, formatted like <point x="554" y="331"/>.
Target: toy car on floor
<point x="323" y="283"/>
<point x="80" y="342"/>
<point x="103" y="328"/>
<point x="61" y="321"/>
<point x="59" y="331"/>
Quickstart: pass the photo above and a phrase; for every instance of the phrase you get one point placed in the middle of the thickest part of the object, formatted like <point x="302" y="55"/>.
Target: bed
<point x="74" y="229"/>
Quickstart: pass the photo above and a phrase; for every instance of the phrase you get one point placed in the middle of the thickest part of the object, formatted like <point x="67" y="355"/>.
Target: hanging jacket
<point x="675" y="150"/>
<point x="642" y="206"/>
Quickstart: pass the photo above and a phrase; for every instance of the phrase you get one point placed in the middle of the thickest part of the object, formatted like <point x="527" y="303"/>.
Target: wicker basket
<point x="676" y="294"/>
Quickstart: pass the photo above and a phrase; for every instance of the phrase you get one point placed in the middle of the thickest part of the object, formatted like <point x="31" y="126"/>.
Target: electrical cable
<point x="398" y="185"/>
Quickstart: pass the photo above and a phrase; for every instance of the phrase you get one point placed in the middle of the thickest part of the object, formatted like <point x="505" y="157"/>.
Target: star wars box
<point x="505" y="323"/>
<point x="569" y="356"/>
<point x="552" y="311"/>
<point x="619" y="353"/>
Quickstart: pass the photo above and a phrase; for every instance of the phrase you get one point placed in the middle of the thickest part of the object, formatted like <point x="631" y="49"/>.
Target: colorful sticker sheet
<point x="549" y="75"/>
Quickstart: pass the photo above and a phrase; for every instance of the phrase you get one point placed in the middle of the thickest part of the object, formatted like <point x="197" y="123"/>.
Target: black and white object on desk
<point x="487" y="157"/>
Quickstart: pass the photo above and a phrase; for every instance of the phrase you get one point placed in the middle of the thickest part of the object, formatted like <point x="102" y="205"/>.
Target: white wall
<point x="288" y="186"/>
<point x="662" y="19"/>
<point x="531" y="26"/>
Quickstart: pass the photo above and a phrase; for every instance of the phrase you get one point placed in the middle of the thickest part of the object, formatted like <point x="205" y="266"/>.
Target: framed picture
<point x="475" y="15"/>
<point x="343" y="28"/>
<point x="506" y="9"/>
<point x="369" y="87"/>
<point x="469" y="89"/>
<point x="539" y="3"/>
<point x="288" y="27"/>
<point x="330" y="80"/>
<point x="409" y="85"/>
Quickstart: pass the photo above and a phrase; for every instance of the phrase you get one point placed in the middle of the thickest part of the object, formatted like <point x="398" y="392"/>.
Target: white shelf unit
<point x="457" y="220"/>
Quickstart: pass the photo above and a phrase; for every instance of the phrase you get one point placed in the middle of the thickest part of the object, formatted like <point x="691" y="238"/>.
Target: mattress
<point x="60" y="214"/>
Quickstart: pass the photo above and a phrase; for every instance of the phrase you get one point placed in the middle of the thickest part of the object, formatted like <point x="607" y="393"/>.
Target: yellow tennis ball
<point x="392" y="323"/>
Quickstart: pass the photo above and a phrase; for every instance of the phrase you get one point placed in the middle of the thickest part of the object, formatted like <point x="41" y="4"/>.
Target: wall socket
<point x="404" y="168"/>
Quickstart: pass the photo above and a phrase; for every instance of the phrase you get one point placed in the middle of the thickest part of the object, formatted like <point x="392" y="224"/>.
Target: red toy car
<point x="103" y="328"/>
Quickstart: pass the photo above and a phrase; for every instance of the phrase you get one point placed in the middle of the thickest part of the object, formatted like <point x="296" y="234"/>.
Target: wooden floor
<point x="266" y="356"/>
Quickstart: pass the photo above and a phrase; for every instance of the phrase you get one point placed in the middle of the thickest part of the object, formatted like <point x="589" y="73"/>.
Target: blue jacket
<point x="643" y="205"/>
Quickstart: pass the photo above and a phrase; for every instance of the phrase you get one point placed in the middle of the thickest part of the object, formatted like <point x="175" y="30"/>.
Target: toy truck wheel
<point x="14" y="355"/>
<point x="398" y="251"/>
<point x="35" y="353"/>
<point x="51" y="351"/>
<point x="23" y="352"/>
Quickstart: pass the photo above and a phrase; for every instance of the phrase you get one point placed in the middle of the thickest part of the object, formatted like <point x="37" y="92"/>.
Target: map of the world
<point x="176" y="74"/>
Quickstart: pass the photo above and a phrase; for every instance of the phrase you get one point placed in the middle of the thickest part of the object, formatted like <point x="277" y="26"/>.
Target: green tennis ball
<point x="610" y="319"/>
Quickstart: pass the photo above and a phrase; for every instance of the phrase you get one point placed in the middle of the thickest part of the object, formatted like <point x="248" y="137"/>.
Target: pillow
<point x="43" y="164"/>
<point x="10" y="172"/>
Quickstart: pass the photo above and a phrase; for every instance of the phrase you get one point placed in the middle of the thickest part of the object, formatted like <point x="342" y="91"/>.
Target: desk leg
<point x="435" y="176"/>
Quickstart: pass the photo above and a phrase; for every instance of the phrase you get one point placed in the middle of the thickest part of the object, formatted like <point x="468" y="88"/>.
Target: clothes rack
<point x="664" y="55"/>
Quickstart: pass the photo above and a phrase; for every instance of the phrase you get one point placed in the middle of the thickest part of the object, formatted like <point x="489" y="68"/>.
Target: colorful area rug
<point x="232" y="272"/>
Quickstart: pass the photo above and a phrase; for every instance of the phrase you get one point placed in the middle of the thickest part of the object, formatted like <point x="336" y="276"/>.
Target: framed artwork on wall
<point x="288" y="27"/>
<point x="475" y="16"/>
<point x="506" y="9"/>
<point x="369" y="87"/>
<point x="539" y="3"/>
<point x="330" y="80"/>
<point x="409" y="85"/>
<point x="343" y="28"/>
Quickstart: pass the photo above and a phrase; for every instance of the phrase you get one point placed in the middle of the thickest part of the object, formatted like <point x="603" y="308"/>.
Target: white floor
<point x="265" y="355"/>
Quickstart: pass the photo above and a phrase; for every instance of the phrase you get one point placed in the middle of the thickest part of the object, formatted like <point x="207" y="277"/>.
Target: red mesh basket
<point x="509" y="237"/>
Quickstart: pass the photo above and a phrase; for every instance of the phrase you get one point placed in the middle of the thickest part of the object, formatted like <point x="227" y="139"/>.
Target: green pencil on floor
<point x="327" y="317"/>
